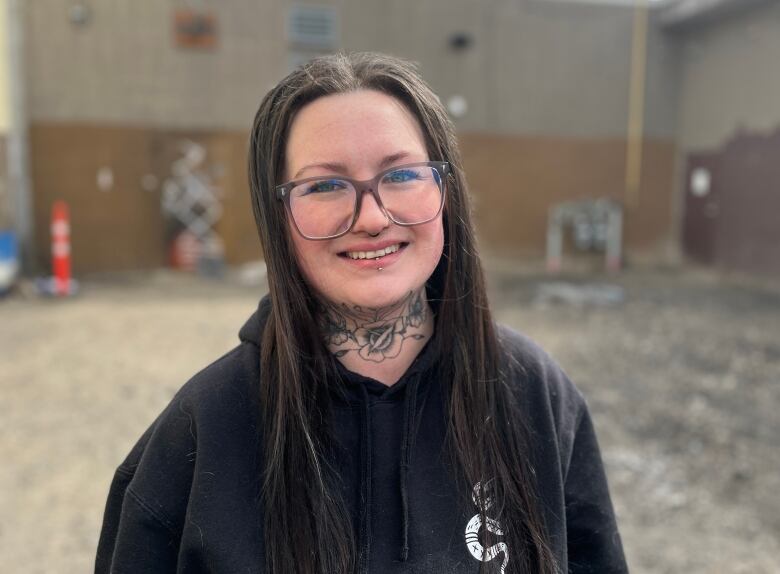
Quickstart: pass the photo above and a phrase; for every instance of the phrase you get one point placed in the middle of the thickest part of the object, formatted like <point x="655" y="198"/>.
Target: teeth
<point x="373" y="254"/>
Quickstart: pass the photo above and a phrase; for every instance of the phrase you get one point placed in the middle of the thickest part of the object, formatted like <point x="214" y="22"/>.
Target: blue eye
<point x="325" y="186"/>
<point x="402" y="176"/>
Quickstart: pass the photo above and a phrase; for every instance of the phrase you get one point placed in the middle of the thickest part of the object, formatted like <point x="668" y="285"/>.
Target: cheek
<point x="307" y="255"/>
<point x="433" y="237"/>
<point x="301" y="250"/>
<point x="430" y="245"/>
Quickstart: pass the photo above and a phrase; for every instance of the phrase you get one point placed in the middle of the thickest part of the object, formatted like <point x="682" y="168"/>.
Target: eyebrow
<point x="340" y="168"/>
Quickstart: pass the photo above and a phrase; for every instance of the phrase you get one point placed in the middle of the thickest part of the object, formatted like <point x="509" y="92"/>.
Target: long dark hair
<point x="304" y="518"/>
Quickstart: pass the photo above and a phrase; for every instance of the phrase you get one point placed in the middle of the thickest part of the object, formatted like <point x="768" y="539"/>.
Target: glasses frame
<point x="361" y="188"/>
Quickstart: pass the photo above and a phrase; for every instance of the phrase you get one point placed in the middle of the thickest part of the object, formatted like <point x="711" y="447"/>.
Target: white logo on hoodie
<point x="480" y="495"/>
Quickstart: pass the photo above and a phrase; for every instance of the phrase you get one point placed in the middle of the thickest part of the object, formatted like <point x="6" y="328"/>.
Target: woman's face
<point x="358" y="135"/>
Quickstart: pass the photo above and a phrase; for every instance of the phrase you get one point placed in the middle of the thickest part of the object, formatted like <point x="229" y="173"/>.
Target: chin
<point x="381" y="296"/>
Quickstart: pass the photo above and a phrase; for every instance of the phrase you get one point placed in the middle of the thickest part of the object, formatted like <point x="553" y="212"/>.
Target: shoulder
<point x="214" y="412"/>
<point x="217" y="391"/>
<point x="531" y="367"/>
<point x="228" y="382"/>
<point x="548" y="399"/>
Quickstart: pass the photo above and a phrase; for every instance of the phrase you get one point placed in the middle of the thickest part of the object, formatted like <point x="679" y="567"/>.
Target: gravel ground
<point x="683" y="378"/>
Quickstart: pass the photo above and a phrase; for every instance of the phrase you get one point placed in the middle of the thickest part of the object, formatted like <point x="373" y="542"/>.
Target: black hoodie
<point x="187" y="498"/>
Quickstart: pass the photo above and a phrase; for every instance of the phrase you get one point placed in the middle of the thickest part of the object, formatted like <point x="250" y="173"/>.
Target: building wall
<point x="548" y="88"/>
<point x="534" y="68"/>
<point x="121" y="226"/>
<point x="735" y="224"/>
<point x="546" y="83"/>
<point x="116" y="93"/>
<point x="730" y="115"/>
<point x="122" y="65"/>
<point x="512" y="204"/>
<point x="729" y="80"/>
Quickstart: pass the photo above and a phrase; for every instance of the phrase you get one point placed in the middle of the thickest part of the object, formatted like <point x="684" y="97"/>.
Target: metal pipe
<point x="18" y="151"/>
<point x="636" y="105"/>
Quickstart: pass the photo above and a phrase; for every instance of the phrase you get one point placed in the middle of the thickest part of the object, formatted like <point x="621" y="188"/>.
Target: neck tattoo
<point x="373" y="334"/>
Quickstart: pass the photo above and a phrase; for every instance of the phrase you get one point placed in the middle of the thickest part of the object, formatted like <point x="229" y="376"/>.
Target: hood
<point x="252" y="331"/>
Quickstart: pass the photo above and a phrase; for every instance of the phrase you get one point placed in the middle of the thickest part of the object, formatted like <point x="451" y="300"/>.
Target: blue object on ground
<point x="9" y="260"/>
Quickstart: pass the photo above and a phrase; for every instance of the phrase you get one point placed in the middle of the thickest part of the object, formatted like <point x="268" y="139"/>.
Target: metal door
<point x="702" y="207"/>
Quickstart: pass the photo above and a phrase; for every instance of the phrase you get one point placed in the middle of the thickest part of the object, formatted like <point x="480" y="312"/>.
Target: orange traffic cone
<point x="60" y="248"/>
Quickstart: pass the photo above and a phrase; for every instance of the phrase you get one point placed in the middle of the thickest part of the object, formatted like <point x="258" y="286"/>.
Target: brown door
<point x="732" y="204"/>
<point x="702" y="207"/>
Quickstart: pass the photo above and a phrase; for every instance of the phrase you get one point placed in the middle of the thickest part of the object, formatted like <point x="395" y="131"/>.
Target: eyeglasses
<point x="325" y="207"/>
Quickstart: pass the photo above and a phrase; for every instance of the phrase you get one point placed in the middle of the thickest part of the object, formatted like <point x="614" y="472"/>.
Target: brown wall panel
<point x="516" y="180"/>
<point x="237" y="226"/>
<point x="120" y="228"/>
<point x="123" y="227"/>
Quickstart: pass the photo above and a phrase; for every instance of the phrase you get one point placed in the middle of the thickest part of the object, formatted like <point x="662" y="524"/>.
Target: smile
<point x="373" y="254"/>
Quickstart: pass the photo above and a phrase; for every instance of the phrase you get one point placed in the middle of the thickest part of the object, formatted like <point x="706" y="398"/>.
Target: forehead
<point x="356" y="130"/>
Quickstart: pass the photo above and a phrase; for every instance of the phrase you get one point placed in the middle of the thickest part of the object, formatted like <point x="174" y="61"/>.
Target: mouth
<point x="377" y="254"/>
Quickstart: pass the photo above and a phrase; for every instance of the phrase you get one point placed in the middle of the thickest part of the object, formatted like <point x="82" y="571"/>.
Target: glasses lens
<point x="411" y="194"/>
<point x="323" y="207"/>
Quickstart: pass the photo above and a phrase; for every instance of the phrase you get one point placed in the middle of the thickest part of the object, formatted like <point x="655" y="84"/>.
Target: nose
<point x="371" y="218"/>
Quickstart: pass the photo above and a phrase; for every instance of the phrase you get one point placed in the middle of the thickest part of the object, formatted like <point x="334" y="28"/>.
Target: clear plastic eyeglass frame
<point x="283" y="193"/>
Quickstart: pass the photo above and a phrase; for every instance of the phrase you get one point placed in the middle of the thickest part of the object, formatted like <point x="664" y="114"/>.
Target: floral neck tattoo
<point x="374" y="334"/>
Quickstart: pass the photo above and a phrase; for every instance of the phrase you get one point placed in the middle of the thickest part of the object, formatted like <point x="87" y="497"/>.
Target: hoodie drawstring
<point x="407" y="445"/>
<point x="410" y="410"/>
<point x="365" y="480"/>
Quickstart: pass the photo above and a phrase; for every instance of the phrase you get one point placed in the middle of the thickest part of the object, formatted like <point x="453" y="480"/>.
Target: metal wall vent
<point x="313" y="27"/>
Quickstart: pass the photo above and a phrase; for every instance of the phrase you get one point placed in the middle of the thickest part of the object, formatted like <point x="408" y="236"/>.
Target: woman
<point x="373" y="418"/>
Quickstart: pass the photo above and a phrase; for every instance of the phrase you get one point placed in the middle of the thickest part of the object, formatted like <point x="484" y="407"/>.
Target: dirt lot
<point x="683" y="378"/>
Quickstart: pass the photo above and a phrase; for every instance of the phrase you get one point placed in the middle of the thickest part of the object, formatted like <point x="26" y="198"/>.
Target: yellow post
<point x="636" y="104"/>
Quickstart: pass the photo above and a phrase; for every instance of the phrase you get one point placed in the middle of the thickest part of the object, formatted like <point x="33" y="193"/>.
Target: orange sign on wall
<point x="196" y="30"/>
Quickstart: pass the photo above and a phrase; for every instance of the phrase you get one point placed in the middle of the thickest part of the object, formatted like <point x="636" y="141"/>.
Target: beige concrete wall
<point x="122" y="65"/>
<point x="534" y="67"/>
<point x="729" y="79"/>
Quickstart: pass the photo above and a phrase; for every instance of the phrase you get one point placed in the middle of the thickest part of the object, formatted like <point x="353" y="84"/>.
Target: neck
<point x="379" y="343"/>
